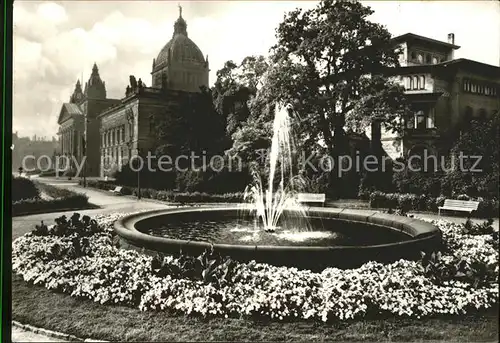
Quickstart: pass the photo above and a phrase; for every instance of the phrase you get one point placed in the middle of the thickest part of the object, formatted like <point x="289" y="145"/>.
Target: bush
<point x="53" y="191"/>
<point x="169" y="195"/>
<point x="28" y="206"/>
<point x="412" y="202"/>
<point x="23" y="189"/>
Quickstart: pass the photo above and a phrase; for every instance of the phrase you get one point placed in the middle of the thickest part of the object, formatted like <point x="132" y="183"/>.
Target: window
<point x="407" y="82"/>
<point x="420" y="58"/>
<point x="421" y="120"/>
<point x="413" y="56"/>
<point x="465" y="85"/>
<point x="422" y="81"/>
<point x="431" y="119"/>
<point x="435" y="60"/>
<point x="473" y="88"/>
<point x="415" y="82"/>
<point x="428" y="58"/>
<point x="410" y="82"/>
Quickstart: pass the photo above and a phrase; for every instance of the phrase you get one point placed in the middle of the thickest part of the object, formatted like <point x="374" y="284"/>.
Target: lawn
<point x="44" y="308"/>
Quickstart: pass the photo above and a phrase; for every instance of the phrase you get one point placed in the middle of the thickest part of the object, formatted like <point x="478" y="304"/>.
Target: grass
<point x="43" y="308"/>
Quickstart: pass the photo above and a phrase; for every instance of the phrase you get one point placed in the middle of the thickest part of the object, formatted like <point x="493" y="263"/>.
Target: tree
<point x="235" y="86"/>
<point x="330" y="59"/>
<point x="480" y="140"/>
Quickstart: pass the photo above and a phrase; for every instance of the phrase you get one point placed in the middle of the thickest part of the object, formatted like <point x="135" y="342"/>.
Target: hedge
<point x="23" y="189"/>
<point x="32" y="206"/>
<point x="53" y="191"/>
<point x="169" y="195"/>
<point x="414" y="202"/>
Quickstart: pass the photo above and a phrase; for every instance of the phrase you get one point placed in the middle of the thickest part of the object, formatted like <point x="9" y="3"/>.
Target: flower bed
<point x="413" y="202"/>
<point x="79" y="257"/>
<point x="168" y="195"/>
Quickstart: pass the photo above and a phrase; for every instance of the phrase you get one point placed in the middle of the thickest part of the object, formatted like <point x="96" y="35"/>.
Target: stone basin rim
<point x="418" y="231"/>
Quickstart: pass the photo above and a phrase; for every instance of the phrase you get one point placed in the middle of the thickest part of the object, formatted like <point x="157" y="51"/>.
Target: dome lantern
<point x="180" y="26"/>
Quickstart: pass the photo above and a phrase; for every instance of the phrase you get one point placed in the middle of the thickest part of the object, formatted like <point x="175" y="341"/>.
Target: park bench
<point x="459" y="205"/>
<point x="311" y="198"/>
<point x="117" y="190"/>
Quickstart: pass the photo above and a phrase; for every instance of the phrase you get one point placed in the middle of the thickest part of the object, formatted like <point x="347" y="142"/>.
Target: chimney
<point x="451" y="38"/>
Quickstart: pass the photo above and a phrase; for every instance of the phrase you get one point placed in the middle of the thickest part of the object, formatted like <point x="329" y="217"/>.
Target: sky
<point x="57" y="42"/>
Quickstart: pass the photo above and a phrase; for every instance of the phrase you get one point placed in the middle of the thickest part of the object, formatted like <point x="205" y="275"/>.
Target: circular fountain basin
<point x="334" y="237"/>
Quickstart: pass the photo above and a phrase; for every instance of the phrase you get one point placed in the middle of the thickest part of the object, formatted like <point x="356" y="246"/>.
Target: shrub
<point x="23" y="189"/>
<point x="169" y="195"/>
<point x="74" y="201"/>
<point x="413" y="202"/>
<point x="53" y="191"/>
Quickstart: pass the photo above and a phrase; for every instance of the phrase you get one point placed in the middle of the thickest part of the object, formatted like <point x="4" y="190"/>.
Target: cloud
<point x="52" y="12"/>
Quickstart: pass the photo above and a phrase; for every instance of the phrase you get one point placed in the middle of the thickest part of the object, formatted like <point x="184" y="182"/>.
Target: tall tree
<point x="236" y="84"/>
<point x="328" y="57"/>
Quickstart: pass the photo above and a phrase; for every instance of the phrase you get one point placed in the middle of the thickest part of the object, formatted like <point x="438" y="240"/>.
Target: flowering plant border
<point x="82" y="260"/>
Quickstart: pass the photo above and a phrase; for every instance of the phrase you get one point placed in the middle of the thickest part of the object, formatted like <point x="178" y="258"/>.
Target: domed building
<point x="120" y="128"/>
<point x="180" y="65"/>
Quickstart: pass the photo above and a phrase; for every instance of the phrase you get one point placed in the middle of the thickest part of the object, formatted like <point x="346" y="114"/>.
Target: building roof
<point x="472" y="65"/>
<point x="72" y="108"/>
<point x="416" y="38"/>
<point x="448" y="66"/>
<point x="68" y="110"/>
<point x="180" y="48"/>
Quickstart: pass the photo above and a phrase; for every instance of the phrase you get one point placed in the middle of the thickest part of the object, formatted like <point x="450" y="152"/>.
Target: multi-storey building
<point x="444" y="95"/>
<point x="178" y="75"/>
<point x="78" y="124"/>
<point x="109" y="131"/>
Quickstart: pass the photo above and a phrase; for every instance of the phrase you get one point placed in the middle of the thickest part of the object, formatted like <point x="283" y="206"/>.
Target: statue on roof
<point x="133" y="82"/>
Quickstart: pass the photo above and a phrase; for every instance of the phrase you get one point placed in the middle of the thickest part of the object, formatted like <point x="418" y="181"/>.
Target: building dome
<point x="180" y="65"/>
<point x="180" y="48"/>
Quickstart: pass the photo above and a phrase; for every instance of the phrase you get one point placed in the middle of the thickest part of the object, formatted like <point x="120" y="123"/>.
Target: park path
<point x="110" y="203"/>
<point x="20" y="335"/>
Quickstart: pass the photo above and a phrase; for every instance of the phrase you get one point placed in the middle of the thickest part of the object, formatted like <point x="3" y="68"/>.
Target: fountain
<point x="275" y="228"/>
<point x="269" y="205"/>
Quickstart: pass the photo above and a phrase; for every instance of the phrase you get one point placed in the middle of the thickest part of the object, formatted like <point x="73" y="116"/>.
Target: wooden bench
<point x="117" y="190"/>
<point x="459" y="205"/>
<point x="311" y="198"/>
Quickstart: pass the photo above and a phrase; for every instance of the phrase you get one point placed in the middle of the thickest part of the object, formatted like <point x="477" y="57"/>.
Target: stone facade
<point x="444" y="94"/>
<point x="128" y="128"/>
<point x="107" y="132"/>
<point x="78" y="124"/>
